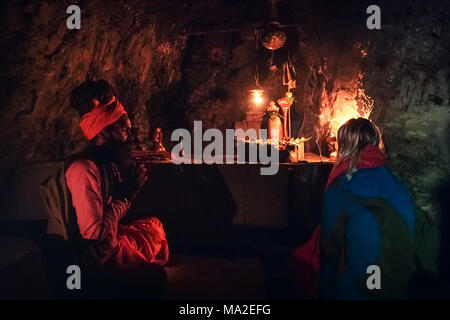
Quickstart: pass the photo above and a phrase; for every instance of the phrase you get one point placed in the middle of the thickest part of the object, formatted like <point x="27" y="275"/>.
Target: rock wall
<point x="407" y="74"/>
<point x="169" y="73"/>
<point x="134" y="45"/>
<point x="164" y="76"/>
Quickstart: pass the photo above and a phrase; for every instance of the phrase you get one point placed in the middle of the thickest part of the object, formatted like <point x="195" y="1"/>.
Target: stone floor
<point x="246" y="268"/>
<point x="22" y="273"/>
<point x="229" y="229"/>
<point x="194" y="277"/>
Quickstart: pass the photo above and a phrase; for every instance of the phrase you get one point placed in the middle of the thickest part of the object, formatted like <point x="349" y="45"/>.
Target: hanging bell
<point x="274" y="40"/>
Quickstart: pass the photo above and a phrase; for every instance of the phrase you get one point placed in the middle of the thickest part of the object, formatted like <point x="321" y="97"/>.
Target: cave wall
<point x="134" y="45"/>
<point x="168" y="76"/>
<point x="219" y="68"/>
<point x="407" y="75"/>
<point x="164" y="77"/>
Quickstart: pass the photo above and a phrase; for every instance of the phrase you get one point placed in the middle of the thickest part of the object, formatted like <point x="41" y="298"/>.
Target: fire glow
<point x="257" y="96"/>
<point x="347" y="105"/>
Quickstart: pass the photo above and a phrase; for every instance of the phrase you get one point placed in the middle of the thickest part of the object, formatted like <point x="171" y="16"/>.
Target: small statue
<point x="274" y="122"/>
<point x="157" y="141"/>
<point x="285" y="104"/>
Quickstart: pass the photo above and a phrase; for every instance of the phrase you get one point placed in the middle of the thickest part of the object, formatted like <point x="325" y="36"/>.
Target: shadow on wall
<point x="166" y="110"/>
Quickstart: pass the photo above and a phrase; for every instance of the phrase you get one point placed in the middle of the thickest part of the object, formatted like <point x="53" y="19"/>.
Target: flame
<point x="363" y="53"/>
<point x="257" y="99"/>
<point x="347" y="105"/>
<point x="257" y="96"/>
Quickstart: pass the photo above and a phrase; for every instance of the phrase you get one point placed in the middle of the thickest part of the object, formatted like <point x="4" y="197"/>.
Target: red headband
<point x="101" y="116"/>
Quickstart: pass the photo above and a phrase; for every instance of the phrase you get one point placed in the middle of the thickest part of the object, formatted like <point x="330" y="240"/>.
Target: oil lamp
<point x="256" y="100"/>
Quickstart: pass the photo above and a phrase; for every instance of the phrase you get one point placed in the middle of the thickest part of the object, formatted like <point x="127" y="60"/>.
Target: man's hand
<point x="137" y="177"/>
<point x="141" y="175"/>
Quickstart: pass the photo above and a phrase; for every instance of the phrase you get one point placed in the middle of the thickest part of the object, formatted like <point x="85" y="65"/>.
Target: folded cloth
<point x="141" y="242"/>
<point x="101" y="116"/>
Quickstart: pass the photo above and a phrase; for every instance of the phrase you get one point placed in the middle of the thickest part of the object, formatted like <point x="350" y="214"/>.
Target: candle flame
<point x="257" y="96"/>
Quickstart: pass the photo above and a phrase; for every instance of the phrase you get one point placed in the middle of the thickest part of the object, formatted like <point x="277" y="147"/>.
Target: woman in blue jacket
<point x="367" y="227"/>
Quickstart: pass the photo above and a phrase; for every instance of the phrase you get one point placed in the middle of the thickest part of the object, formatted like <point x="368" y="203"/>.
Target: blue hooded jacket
<point x="363" y="235"/>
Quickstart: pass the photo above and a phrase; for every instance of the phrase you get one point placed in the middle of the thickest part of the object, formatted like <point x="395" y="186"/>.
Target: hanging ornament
<point x="256" y="94"/>
<point x="274" y="40"/>
<point x="289" y="74"/>
<point x="270" y="64"/>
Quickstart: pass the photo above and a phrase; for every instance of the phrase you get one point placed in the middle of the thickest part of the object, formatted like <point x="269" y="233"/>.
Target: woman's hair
<point x="81" y="97"/>
<point x="353" y="136"/>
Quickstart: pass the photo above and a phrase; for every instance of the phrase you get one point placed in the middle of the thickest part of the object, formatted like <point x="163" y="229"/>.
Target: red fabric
<point x="304" y="262"/>
<point x="303" y="267"/>
<point x="101" y="116"/>
<point x="140" y="242"/>
<point x="371" y="157"/>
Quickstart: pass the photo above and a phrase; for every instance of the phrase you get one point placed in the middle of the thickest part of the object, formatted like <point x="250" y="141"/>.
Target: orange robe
<point x="140" y="242"/>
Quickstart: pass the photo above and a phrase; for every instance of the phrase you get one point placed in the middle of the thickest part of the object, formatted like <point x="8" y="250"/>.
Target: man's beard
<point x="119" y="152"/>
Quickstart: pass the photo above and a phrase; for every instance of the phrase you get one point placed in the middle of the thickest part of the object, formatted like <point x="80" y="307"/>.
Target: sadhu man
<point x="101" y="192"/>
